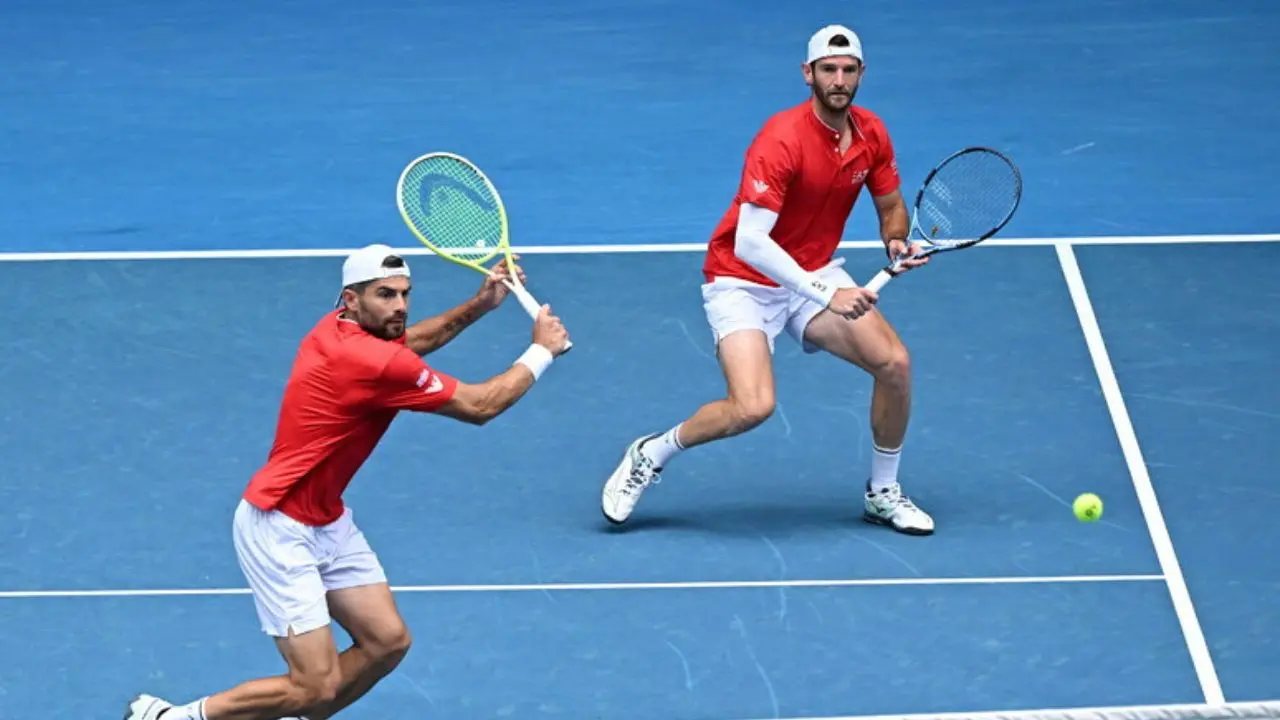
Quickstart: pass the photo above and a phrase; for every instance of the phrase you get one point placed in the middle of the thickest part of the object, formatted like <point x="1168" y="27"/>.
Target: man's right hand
<point x="549" y="332"/>
<point x="852" y="303"/>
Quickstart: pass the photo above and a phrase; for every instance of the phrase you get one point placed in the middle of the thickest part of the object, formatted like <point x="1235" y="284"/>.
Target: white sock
<point x="191" y="711"/>
<point x="662" y="448"/>
<point x="884" y="467"/>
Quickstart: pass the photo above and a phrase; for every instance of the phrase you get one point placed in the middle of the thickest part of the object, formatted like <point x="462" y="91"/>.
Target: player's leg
<point x="312" y="680"/>
<point x="871" y="343"/>
<point x="380" y="641"/>
<point x="360" y="600"/>
<point x="744" y="322"/>
<point x="280" y="560"/>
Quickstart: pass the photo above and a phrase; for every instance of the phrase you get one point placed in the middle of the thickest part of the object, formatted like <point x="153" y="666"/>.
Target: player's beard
<point x="389" y="328"/>
<point x="839" y="103"/>
<point x="392" y="327"/>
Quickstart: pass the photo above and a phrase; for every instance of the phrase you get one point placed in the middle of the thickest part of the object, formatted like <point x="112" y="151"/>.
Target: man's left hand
<point x="902" y="249"/>
<point x="494" y="290"/>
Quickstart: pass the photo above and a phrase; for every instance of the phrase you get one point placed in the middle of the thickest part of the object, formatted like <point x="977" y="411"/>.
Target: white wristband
<point x="537" y="359"/>
<point x="816" y="290"/>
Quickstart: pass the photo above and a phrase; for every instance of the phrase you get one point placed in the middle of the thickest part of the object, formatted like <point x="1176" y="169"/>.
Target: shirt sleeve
<point x="754" y="246"/>
<point x="884" y="177"/>
<point x="767" y="171"/>
<point x="408" y="383"/>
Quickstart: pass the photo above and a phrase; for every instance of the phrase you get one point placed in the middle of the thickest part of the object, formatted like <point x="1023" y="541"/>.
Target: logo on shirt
<point x="761" y="187"/>
<point x="432" y="382"/>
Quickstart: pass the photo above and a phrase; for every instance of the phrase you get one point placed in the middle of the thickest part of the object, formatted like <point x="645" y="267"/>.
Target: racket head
<point x="453" y="208"/>
<point x="965" y="199"/>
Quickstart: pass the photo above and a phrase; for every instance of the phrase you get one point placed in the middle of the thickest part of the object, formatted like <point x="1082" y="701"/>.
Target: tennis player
<point x="306" y="561"/>
<point x="769" y="268"/>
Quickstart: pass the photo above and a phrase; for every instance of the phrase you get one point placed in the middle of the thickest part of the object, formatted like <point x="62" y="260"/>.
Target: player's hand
<point x="896" y="249"/>
<point x="549" y="332"/>
<point x="495" y="290"/>
<point x="852" y="303"/>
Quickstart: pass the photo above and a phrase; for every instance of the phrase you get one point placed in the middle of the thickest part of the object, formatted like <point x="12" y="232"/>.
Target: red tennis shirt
<point x="345" y="388"/>
<point x="794" y="167"/>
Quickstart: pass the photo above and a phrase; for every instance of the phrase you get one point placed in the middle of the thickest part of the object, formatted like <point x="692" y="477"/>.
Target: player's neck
<point x="837" y="120"/>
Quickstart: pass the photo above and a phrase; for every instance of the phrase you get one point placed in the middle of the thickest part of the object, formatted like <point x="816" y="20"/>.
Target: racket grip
<point x="526" y="300"/>
<point x="531" y="306"/>
<point x="881" y="279"/>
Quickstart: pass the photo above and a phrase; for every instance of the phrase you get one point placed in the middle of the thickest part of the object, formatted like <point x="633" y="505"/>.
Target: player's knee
<point x="315" y="690"/>
<point x="385" y="646"/>
<point x="751" y="410"/>
<point x="393" y="647"/>
<point x="895" y="369"/>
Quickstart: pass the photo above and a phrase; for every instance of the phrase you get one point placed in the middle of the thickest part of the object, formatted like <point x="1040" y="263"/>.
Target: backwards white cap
<point x="367" y="264"/>
<point x="820" y="44"/>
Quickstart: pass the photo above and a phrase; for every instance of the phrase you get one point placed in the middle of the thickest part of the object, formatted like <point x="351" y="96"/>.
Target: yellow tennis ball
<point x="1088" y="507"/>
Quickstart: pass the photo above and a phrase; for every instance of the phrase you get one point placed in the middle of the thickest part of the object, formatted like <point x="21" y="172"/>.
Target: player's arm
<point x="408" y="384"/>
<point x="478" y="404"/>
<point x="885" y="186"/>
<point x="894" y="220"/>
<point x="431" y="334"/>
<point x="767" y="172"/>
<point x="754" y="245"/>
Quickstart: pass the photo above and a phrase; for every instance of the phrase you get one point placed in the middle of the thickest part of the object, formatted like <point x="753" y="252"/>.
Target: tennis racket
<point x="965" y="199"/>
<point x="454" y="209"/>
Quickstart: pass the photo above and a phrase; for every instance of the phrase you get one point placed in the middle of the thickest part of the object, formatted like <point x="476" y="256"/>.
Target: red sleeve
<point x="767" y="171"/>
<point x="884" y="177"/>
<point x="407" y="383"/>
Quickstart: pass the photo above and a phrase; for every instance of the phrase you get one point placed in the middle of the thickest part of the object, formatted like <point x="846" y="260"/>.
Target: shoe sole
<point x="876" y="520"/>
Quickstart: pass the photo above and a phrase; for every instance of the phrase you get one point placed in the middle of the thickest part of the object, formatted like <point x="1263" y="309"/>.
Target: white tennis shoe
<point x="628" y="482"/>
<point x="146" y="707"/>
<point x="890" y="507"/>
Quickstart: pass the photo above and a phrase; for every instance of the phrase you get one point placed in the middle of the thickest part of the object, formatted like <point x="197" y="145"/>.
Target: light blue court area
<point x="745" y="586"/>
<point x="179" y="182"/>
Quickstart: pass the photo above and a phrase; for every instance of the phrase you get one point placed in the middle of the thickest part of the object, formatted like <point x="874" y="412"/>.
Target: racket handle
<point x="881" y="279"/>
<point x="530" y="305"/>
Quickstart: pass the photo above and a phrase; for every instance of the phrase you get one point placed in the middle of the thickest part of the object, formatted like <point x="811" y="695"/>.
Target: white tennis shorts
<point x="733" y="304"/>
<point x="291" y="566"/>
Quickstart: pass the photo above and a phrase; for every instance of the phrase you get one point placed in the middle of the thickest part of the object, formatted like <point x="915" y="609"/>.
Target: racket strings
<point x="453" y="209"/>
<point x="969" y="198"/>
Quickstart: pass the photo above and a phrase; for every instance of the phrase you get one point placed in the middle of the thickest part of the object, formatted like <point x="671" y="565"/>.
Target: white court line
<point x="546" y="587"/>
<point x="1265" y="709"/>
<point x="603" y="249"/>
<point x="1128" y="438"/>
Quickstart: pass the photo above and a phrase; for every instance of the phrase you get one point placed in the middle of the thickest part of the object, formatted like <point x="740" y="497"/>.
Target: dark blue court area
<point x="1094" y="347"/>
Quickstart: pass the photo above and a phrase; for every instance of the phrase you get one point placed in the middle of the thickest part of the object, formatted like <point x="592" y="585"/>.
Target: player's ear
<point x="351" y="295"/>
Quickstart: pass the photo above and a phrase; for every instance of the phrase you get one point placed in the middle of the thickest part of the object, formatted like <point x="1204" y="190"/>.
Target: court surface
<point x="181" y="181"/>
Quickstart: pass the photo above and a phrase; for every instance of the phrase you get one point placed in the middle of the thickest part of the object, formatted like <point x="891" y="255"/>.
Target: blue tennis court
<point x="181" y="181"/>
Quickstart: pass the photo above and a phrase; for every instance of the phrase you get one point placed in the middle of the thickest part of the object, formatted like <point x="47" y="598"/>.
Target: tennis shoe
<point x="628" y="482"/>
<point x="890" y="507"/>
<point x="146" y="707"/>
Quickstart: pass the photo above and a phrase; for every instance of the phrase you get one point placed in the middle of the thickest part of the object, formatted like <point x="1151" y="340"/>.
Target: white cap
<point x="820" y="44"/>
<point x="366" y="264"/>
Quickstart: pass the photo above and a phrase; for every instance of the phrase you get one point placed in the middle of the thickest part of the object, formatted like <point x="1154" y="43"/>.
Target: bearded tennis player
<point x="770" y="268"/>
<point x="306" y="561"/>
